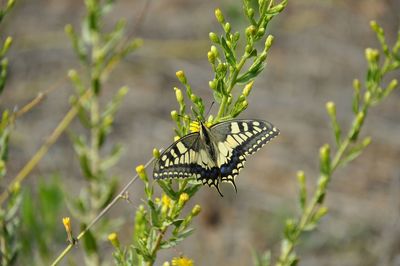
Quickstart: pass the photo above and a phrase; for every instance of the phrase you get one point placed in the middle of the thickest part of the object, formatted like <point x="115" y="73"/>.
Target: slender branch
<point x="99" y="216"/>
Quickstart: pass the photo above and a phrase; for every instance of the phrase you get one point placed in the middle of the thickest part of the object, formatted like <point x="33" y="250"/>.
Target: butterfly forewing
<point x="187" y="158"/>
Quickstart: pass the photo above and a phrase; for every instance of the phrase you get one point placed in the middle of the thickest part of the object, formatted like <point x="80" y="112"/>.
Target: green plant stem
<point x="222" y="107"/>
<point x="157" y="245"/>
<point x="94" y="134"/>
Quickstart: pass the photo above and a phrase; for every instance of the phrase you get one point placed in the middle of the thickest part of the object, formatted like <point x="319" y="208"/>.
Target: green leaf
<point x="251" y="74"/>
<point x="154" y="213"/>
<point x="261" y="260"/>
<point x="229" y="55"/>
<point x="191" y="190"/>
<point x="112" y="159"/>
<point x="89" y="242"/>
<point x="168" y="190"/>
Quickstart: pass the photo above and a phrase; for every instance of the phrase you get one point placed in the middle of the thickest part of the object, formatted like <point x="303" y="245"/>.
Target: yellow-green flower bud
<point x="10" y="4"/>
<point x="221" y="67"/>
<point x="301" y="177"/>
<point x="360" y="118"/>
<point x="251" y="30"/>
<point x="174" y="115"/>
<point x="244" y="105"/>
<point x="156" y="153"/>
<point x="113" y="238"/>
<point x="356" y="85"/>
<point x="179" y="95"/>
<point x="372" y="55"/>
<point x="321" y="212"/>
<point x="375" y="27"/>
<point x="248" y="48"/>
<point x="250" y="12"/>
<point x="196" y="210"/>
<point x="73" y="75"/>
<point x="213" y="37"/>
<point x="212" y="84"/>
<point x="69" y="29"/>
<point x="16" y="187"/>
<point x="219" y="15"/>
<point x="331" y="108"/>
<point x="367" y="97"/>
<point x="194" y="98"/>
<point x="211" y="57"/>
<point x="261" y="31"/>
<point x="247" y="88"/>
<point x="181" y="76"/>
<point x="229" y="99"/>
<point x="227" y="27"/>
<point x="141" y="171"/>
<point x="6" y="45"/>
<point x="123" y="91"/>
<point x="325" y="160"/>
<point x="392" y="85"/>
<point x="323" y="183"/>
<point x="268" y="42"/>
<point x="214" y="50"/>
<point x="366" y="141"/>
<point x="166" y="264"/>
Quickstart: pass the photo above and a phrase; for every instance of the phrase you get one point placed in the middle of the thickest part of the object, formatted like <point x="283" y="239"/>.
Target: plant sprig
<point x="159" y="223"/>
<point x="347" y="146"/>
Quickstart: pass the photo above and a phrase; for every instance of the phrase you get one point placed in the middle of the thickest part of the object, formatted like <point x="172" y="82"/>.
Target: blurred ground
<point x="318" y="51"/>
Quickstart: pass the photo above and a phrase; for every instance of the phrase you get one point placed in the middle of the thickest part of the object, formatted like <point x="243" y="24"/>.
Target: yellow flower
<point x="183" y="198"/>
<point x="166" y="201"/>
<point x="196" y="210"/>
<point x="141" y="170"/>
<point x="182" y="261"/>
<point x="194" y="126"/>
<point x="113" y="238"/>
<point x="68" y="229"/>
<point x="67" y="224"/>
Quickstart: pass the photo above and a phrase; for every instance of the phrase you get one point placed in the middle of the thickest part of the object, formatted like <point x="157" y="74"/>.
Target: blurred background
<point x="317" y="52"/>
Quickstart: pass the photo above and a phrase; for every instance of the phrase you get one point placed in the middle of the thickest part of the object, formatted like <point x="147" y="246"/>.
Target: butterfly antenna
<point x="209" y="109"/>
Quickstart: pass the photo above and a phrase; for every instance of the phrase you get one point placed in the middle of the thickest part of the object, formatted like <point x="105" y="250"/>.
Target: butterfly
<point x="214" y="154"/>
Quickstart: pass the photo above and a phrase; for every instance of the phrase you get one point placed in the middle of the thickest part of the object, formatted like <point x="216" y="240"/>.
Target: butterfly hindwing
<point x="236" y="140"/>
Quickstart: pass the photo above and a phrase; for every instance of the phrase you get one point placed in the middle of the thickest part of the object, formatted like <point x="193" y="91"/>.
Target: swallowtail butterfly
<point x="214" y="154"/>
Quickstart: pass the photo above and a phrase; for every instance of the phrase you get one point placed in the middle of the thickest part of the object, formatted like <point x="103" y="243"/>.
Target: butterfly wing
<point x="235" y="140"/>
<point x="187" y="158"/>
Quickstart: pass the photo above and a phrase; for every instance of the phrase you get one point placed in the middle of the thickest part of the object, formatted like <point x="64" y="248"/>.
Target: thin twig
<point x="100" y="215"/>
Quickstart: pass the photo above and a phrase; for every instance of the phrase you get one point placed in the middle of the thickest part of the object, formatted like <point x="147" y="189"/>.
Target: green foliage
<point x="159" y="223"/>
<point x="40" y="212"/>
<point x="9" y="212"/>
<point x="98" y="52"/>
<point x="347" y="147"/>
